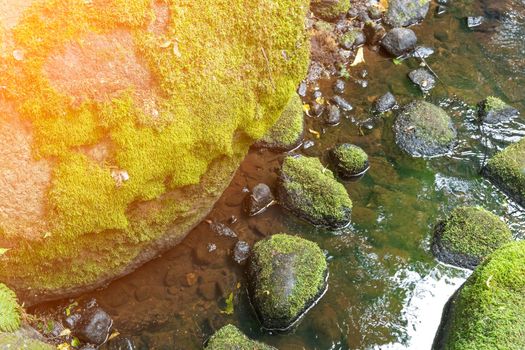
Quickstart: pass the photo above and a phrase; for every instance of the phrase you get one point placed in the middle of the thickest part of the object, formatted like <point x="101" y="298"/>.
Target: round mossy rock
<point x="310" y="191"/>
<point x="488" y="312"/>
<point x="468" y="235"/>
<point x="120" y="137"/>
<point x="230" y="337"/>
<point x="493" y="110"/>
<point x="330" y="9"/>
<point x="506" y="170"/>
<point x="287" y="276"/>
<point x="402" y="13"/>
<point x="287" y="133"/>
<point x="9" y="310"/>
<point x="423" y="129"/>
<point x="350" y="160"/>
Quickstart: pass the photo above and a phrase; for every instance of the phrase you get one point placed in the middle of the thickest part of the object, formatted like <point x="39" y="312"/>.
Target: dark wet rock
<point x="342" y="103"/>
<point x="241" y="252"/>
<point x="493" y="110"/>
<point x="399" y="41"/>
<point x="423" y="79"/>
<point x="287" y="133"/>
<point x="222" y="229"/>
<point x="315" y="71"/>
<point x="287" y="275"/>
<point x="121" y="343"/>
<point x="310" y="191"/>
<point x="422" y="52"/>
<point x="316" y="109"/>
<point x="385" y="103"/>
<point x="317" y="94"/>
<point x="442" y="2"/>
<point x="330" y="9"/>
<point x="473" y="22"/>
<point x="352" y="38"/>
<point x="468" y="235"/>
<point x="349" y="160"/>
<point x="308" y="144"/>
<point x="339" y="86"/>
<point x="423" y="129"/>
<point x="507" y="171"/>
<point x="374" y="32"/>
<point x="333" y="116"/>
<point x="488" y="311"/>
<point x="72" y="320"/>
<point x="260" y="198"/>
<point x="301" y="90"/>
<point x="94" y="325"/>
<point x="230" y="338"/>
<point x="402" y="13"/>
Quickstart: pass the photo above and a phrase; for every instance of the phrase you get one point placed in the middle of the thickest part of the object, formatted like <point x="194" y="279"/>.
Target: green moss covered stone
<point x="402" y="13"/>
<point x="330" y="9"/>
<point x="22" y="341"/>
<point x="9" y="310"/>
<point x="488" y="312"/>
<point x="494" y="110"/>
<point x="288" y="275"/>
<point x="468" y="235"/>
<point x="287" y="132"/>
<point x="423" y="129"/>
<point x="350" y="160"/>
<point x="310" y="191"/>
<point x="231" y="338"/>
<point x="507" y="171"/>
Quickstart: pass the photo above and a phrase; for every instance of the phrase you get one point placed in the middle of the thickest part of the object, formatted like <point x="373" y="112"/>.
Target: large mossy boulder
<point x="287" y="275"/>
<point x="123" y="121"/>
<point x="287" y="133"/>
<point x="230" y="337"/>
<point x="488" y="312"/>
<point x="310" y="191"/>
<point x="507" y="171"/>
<point x="468" y="235"/>
<point x="402" y="13"/>
<point x="423" y="129"/>
<point x="330" y="9"/>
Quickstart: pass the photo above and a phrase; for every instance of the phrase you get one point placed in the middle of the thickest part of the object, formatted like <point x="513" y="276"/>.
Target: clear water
<point x="386" y="291"/>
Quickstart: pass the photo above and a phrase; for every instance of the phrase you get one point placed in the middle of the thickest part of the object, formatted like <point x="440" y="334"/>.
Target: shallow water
<point x="386" y="291"/>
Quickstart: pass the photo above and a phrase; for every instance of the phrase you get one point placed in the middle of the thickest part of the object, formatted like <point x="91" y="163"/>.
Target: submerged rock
<point x="258" y="200"/>
<point x="93" y="325"/>
<point x="231" y="338"/>
<point x="423" y="129"/>
<point x="342" y="103"/>
<point x="468" y="235"/>
<point x="385" y="103"/>
<point x="350" y="160"/>
<point x="423" y="79"/>
<point x="493" y="110"/>
<point x="241" y="252"/>
<point x="330" y="9"/>
<point x="333" y="116"/>
<point x="488" y="311"/>
<point x="310" y="191"/>
<point x="287" y="276"/>
<point x="402" y="13"/>
<point x="399" y="41"/>
<point x="507" y="171"/>
<point x="287" y="132"/>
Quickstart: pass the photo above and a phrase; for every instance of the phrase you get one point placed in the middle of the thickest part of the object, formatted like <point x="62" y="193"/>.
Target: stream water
<point x="386" y="291"/>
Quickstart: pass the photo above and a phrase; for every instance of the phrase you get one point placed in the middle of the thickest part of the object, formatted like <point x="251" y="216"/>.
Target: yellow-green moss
<point x="230" y="338"/>
<point x="230" y="79"/>
<point x="19" y="342"/>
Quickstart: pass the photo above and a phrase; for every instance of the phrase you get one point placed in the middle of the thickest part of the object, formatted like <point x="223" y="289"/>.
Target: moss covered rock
<point x="507" y="171"/>
<point x="423" y="129"/>
<point x="22" y="341"/>
<point x="287" y="132"/>
<point x="350" y="160"/>
<point x="123" y="122"/>
<point x="231" y="338"/>
<point x="488" y="312"/>
<point x="468" y="235"/>
<point x="494" y="110"/>
<point x="310" y="191"/>
<point x="402" y="13"/>
<point x="287" y="276"/>
<point x="330" y="9"/>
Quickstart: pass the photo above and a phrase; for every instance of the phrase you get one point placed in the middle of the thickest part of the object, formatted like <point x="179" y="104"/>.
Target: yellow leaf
<point x="114" y="335"/>
<point x="320" y="100"/>
<point x="359" y="58"/>
<point x="315" y="133"/>
<point x="63" y="346"/>
<point x="3" y="251"/>
<point x="47" y="234"/>
<point x="66" y="332"/>
<point x="306" y="107"/>
<point x="383" y="4"/>
<point x="229" y="305"/>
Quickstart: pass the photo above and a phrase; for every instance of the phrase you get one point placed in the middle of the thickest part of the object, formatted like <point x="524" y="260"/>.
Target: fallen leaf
<point x="47" y="234"/>
<point x="3" y="251"/>
<point x="114" y="335"/>
<point x="165" y="44"/>
<point x="63" y="346"/>
<point x="315" y="133"/>
<point x="359" y="57"/>
<point x="228" y="310"/>
<point x="176" y="51"/>
<point x="306" y="107"/>
<point x="75" y="342"/>
<point x="66" y="332"/>
<point x="397" y="61"/>
<point x="320" y="100"/>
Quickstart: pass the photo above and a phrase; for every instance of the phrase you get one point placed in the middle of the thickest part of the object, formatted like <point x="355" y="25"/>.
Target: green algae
<point x="489" y="310"/>
<point x="281" y="296"/>
<point x="231" y="338"/>
<point x="199" y="122"/>
<point x="289" y="128"/>
<point x="492" y="103"/>
<point x="311" y="191"/>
